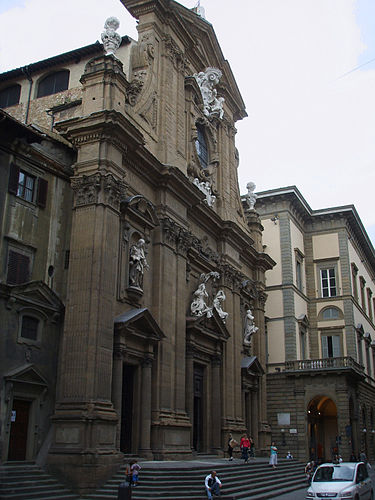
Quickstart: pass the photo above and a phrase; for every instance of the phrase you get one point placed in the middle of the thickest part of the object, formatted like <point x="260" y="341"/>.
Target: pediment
<point x="140" y="209"/>
<point x="141" y="323"/>
<point x="35" y="294"/>
<point x="251" y="365"/>
<point x="26" y="374"/>
<point x="212" y="327"/>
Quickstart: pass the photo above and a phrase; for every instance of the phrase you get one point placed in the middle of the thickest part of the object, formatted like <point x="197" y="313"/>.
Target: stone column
<point x="84" y="443"/>
<point x="118" y="364"/>
<point x="145" y="424"/>
<point x="189" y="388"/>
<point x="254" y="416"/>
<point x="216" y="405"/>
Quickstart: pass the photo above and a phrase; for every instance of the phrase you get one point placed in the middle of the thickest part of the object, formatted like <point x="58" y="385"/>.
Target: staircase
<point x="185" y="480"/>
<point x="27" y="481"/>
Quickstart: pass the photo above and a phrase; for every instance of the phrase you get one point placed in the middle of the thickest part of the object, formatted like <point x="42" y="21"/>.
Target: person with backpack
<point x="232" y="443"/>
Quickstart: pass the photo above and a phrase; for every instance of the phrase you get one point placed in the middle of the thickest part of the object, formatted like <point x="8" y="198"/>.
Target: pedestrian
<point x="128" y="473"/>
<point x="135" y="468"/>
<point x="212" y="484"/>
<point x="362" y="457"/>
<point x="309" y="471"/>
<point x="289" y="456"/>
<point x="245" y="445"/>
<point x="252" y="448"/>
<point x="352" y="458"/>
<point x="273" y="455"/>
<point x="232" y="443"/>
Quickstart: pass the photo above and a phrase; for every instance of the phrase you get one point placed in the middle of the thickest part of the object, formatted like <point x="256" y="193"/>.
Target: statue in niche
<point x="205" y="187"/>
<point x="251" y="197"/>
<point x="111" y="40"/>
<point x="217" y="304"/>
<point x="250" y="328"/>
<point x="207" y="80"/>
<point x="198" y="306"/>
<point x="137" y="264"/>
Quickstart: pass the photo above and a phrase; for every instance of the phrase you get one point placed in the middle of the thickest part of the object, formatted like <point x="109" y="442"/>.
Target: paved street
<point x="296" y="495"/>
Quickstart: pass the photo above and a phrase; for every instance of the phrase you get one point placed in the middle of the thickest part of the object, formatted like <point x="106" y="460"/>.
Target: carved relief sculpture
<point x="207" y="80"/>
<point x="198" y="306"/>
<point x="137" y="264"/>
<point x="205" y="187"/>
<point x="111" y="40"/>
<point x="217" y="304"/>
<point x="250" y="328"/>
<point x="251" y="197"/>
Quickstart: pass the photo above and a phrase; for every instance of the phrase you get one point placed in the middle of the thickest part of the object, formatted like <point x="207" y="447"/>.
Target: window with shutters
<point x="18" y="270"/>
<point x="53" y="83"/>
<point x="10" y="96"/>
<point x="331" y="345"/>
<point x="27" y="186"/>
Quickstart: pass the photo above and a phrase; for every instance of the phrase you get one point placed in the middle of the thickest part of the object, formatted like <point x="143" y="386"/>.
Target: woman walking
<point x="245" y="445"/>
<point x="232" y="443"/>
<point x="273" y="455"/>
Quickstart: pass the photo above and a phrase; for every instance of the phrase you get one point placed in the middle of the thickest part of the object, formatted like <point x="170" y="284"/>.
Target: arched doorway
<point x="322" y="428"/>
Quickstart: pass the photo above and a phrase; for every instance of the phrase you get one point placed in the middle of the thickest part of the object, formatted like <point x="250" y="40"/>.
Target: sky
<point x="305" y="69"/>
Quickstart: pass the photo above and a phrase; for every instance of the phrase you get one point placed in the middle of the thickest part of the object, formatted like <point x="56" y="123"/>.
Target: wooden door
<point x="19" y="429"/>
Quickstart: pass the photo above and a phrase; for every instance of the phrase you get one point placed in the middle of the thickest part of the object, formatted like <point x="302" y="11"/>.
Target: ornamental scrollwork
<point x="98" y="188"/>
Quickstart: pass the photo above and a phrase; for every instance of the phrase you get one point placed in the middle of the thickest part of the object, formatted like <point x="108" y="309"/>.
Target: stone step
<point x="27" y="481"/>
<point x="253" y="481"/>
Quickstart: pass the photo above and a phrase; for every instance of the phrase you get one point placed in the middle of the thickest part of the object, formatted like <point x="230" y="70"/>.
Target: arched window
<point x="53" y="83"/>
<point x="331" y="313"/>
<point x="10" y="96"/>
<point x="201" y="146"/>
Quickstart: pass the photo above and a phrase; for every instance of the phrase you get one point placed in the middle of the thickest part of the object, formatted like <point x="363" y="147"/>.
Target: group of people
<point x="246" y="444"/>
<point x="132" y="472"/>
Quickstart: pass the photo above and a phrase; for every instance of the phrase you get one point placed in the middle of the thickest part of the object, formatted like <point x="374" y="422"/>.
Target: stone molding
<point x="98" y="188"/>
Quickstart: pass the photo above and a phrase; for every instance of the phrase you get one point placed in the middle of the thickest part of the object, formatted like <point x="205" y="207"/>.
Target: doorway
<point x="128" y="375"/>
<point x="198" y="409"/>
<point x="322" y="428"/>
<point x="19" y="429"/>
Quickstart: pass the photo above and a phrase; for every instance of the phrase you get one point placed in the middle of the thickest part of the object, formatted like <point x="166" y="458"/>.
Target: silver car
<point x="345" y="480"/>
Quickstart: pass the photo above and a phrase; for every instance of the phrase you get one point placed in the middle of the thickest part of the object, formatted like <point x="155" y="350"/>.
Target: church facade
<point x="149" y="290"/>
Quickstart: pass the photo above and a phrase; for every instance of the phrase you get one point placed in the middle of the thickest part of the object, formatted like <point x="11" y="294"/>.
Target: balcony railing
<point x="345" y="363"/>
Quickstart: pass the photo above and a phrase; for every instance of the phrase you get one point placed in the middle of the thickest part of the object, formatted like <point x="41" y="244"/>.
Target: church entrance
<point x="322" y="428"/>
<point x="128" y="378"/>
<point x="19" y="429"/>
<point x="198" y="408"/>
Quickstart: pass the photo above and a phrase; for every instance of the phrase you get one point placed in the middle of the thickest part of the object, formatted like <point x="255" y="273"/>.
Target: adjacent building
<point x="319" y="326"/>
<point x="131" y="274"/>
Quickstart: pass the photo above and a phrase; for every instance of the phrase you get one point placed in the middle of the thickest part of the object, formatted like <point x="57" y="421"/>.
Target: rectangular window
<point x="299" y="274"/>
<point x="29" y="328"/>
<point x="18" y="268"/>
<point x="26" y="186"/>
<point x="369" y="302"/>
<point x="359" y="349"/>
<point x="331" y="347"/>
<point x="362" y="283"/>
<point x="302" y="337"/>
<point x="354" y="281"/>
<point x="328" y="282"/>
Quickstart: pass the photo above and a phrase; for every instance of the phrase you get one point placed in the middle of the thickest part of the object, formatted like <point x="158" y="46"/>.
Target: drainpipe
<point x="25" y="71"/>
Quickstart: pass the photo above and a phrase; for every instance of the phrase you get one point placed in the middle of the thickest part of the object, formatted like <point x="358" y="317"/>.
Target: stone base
<point x="84" y="473"/>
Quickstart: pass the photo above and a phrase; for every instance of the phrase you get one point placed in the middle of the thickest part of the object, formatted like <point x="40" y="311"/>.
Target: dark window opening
<point x="27" y="186"/>
<point x="67" y="259"/>
<point x="201" y="146"/>
<point x="29" y="329"/>
<point x="10" y="96"/>
<point x="51" y="84"/>
<point x="18" y="268"/>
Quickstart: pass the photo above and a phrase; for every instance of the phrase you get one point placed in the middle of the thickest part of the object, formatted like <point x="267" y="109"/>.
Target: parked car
<point x="344" y="480"/>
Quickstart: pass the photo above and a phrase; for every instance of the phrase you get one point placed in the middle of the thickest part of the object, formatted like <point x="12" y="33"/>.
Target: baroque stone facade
<point x="138" y="373"/>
